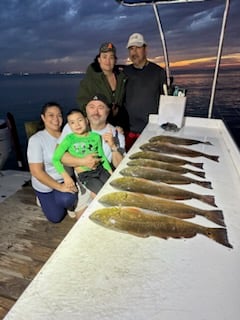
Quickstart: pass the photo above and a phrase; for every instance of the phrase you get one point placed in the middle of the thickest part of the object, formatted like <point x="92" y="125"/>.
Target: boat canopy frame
<point x="154" y="4"/>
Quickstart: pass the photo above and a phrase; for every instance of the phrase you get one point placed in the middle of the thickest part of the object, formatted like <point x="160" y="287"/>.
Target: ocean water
<point x="199" y="85"/>
<point x="227" y="98"/>
<point x="24" y="95"/>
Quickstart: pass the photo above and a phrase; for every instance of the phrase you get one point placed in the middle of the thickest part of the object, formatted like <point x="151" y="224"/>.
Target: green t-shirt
<point x="80" y="146"/>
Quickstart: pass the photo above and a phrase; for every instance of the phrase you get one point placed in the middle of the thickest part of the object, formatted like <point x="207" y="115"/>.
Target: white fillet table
<point x="97" y="273"/>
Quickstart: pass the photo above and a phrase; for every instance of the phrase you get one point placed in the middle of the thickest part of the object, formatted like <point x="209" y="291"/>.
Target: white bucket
<point x="171" y="110"/>
<point x="5" y="142"/>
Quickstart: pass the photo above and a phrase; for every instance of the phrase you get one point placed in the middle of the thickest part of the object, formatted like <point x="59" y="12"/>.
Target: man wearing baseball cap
<point x="143" y="89"/>
<point x="97" y="111"/>
<point x="136" y="39"/>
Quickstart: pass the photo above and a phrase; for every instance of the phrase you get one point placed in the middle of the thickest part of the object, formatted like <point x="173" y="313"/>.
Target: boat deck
<point x="97" y="273"/>
<point x="27" y="239"/>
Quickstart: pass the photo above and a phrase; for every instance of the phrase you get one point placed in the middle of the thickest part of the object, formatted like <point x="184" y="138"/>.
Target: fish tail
<point x="219" y="235"/>
<point x="216" y="216"/>
<point x="197" y="164"/>
<point x="205" y="184"/>
<point x="198" y="173"/>
<point x="208" y="199"/>
<point x="214" y="158"/>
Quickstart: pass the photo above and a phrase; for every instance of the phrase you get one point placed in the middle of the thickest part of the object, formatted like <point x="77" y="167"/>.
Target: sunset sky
<point x="65" y="35"/>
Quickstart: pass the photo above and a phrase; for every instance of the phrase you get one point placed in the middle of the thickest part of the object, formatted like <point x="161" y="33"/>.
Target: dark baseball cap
<point x="100" y="97"/>
<point x="107" y="47"/>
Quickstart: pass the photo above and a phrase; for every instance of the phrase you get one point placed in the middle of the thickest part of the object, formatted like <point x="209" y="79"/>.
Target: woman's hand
<point x="69" y="183"/>
<point x="38" y="171"/>
<point x="67" y="188"/>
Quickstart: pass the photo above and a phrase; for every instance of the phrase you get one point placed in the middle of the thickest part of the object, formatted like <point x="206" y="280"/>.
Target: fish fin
<point x="216" y="216"/>
<point x="141" y="235"/>
<point x="208" y="199"/>
<point x="198" y="173"/>
<point x="214" y="158"/>
<point x="219" y="235"/>
<point x="205" y="184"/>
<point x="197" y="164"/>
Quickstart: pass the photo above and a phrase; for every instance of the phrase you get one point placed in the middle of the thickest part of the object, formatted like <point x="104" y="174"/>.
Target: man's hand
<point x="91" y="161"/>
<point x="108" y="138"/>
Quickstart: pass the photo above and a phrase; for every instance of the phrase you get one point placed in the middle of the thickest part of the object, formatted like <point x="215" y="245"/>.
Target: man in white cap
<point x="144" y="86"/>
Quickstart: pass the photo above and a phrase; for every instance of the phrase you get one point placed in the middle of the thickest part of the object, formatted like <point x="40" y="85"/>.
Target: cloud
<point x="65" y="35"/>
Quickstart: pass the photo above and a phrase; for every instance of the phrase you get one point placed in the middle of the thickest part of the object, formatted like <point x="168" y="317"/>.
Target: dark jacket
<point x="144" y="87"/>
<point x="96" y="82"/>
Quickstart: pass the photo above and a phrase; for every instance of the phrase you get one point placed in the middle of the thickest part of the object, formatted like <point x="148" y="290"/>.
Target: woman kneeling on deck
<point x="55" y="197"/>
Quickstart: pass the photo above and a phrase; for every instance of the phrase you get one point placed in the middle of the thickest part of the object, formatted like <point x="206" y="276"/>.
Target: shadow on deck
<point x="27" y="240"/>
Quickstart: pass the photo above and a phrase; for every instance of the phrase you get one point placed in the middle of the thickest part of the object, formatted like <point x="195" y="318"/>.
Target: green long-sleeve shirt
<point x="80" y="146"/>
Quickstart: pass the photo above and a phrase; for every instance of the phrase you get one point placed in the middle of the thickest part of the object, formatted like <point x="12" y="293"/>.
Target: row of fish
<point x="137" y="222"/>
<point x="163" y="206"/>
<point x="146" y="204"/>
<point x="165" y="176"/>
<point x="175" y="149"/>
<point x="164" y="158"/>
<point x="164" y="166"/>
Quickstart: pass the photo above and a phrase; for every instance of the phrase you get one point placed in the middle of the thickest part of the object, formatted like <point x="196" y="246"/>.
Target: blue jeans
<point x="55" y="204"/>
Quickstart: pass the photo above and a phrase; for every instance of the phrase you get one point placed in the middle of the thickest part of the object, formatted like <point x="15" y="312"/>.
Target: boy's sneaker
<point x="84" y="199"/>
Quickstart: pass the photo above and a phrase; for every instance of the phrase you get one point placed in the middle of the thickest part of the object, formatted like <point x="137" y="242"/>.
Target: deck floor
<point x="27" y="240"/>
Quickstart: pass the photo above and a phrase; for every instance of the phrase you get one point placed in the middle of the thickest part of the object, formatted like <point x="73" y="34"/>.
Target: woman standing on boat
<point x="54" y="196"/>
<point x="105" y="77"/>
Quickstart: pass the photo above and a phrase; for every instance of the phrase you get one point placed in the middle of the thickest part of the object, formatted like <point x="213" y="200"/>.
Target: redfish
<point x="162" y="175"/>
<point x="137" y="222"/>
<point x="164" y="158"/>
<point x="162" y="206"/>
<point x="164" y="166"/>
<point x="177" y="140"/>
<point x="178" y="150"/>
<point x="158" y="189"/>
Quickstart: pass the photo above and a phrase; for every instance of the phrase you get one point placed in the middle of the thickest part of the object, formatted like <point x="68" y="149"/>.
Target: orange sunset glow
<point x="227" y="61"/>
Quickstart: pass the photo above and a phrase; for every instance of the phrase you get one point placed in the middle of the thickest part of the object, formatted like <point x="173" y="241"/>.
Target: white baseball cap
<point x="136" y="39"/>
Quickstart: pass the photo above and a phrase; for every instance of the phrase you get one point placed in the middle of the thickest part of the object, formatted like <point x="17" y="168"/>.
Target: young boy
<point x="80" y="143"/>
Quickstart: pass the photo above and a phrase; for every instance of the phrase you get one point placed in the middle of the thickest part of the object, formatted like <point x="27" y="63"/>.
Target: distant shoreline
<point x="80" y="73"/>
<point x="26" y="74"/>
